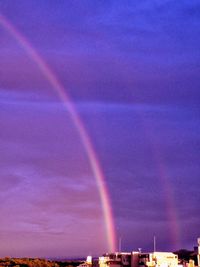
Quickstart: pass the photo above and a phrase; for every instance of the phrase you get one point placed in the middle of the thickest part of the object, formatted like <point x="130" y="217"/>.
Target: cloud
<point x="135" y="53"/>
<point x="133" y="72"/>
<point x="9" y="182"/>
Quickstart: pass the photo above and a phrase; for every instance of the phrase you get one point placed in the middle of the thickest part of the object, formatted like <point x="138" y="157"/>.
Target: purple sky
<point x="132" y="69"/>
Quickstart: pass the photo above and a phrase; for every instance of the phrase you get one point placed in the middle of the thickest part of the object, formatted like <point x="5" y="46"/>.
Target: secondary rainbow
<point x="61" y="91"/>
<point x="163" y="179"/>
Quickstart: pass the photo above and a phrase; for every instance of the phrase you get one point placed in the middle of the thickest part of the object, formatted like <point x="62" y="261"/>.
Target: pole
<point x="154" y="243"/>
<point x="120" y="244"/>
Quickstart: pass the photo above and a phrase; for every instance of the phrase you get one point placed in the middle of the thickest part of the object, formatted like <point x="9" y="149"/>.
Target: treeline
<point x="28" y="262"/>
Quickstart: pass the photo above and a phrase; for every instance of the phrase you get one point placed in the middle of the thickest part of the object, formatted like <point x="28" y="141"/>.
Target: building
<point x="138" y="259"/>
<point x="117" y="259"/>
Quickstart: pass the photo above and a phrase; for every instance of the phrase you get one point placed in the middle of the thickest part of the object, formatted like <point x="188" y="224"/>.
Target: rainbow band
<point x="164" y="181"/>
<point x="64" y="97"/>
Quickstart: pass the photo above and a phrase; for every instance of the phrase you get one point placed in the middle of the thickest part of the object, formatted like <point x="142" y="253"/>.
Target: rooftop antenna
<point x="154" y="243"/>
<point x="120" y="244"/>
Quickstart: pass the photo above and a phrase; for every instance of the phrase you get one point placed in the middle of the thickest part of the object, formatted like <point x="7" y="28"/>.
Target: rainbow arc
<point x="65" y="98"/>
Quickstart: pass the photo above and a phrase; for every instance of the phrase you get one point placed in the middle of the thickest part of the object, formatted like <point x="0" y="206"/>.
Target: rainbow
<point x="164" y="181"/>
<point x="64" y="97"/>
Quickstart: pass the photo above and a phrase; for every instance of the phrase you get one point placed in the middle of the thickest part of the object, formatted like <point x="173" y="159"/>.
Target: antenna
<point x="154" y="243"/>
<point x="120" y="244"/>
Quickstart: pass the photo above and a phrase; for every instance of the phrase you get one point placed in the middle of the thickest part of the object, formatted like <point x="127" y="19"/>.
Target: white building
<point x="138" y="259"/>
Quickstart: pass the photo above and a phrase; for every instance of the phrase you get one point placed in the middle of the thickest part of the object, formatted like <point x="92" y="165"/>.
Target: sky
<point x="131" y="69"/>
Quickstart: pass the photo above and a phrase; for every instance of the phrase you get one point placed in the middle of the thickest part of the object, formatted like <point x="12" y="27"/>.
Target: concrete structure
<point x="117" y="259"/>
<point x="158" y="259"/>
<point x="87" y="263"/>
<point x="198" y="253"/>
<point x="138" y="259"/>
